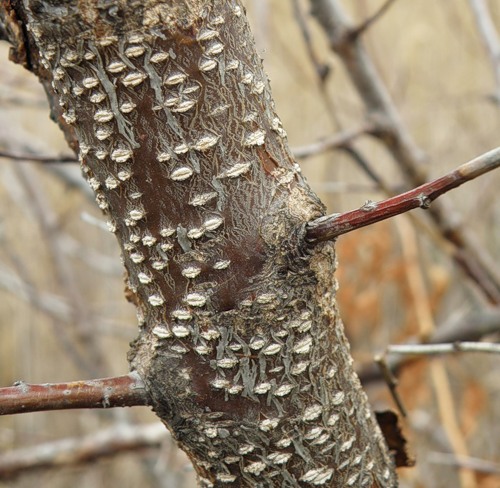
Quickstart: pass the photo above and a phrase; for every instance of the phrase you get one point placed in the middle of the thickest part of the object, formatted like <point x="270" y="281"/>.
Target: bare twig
<point x="474" y="464"/>
<point x="38" y="159"/>
<point x="365" y="166"/>
<point x="119" y="391"/>
<point x="366" y="24"/>
<point x="415" y="279"/>
<point x="391" y="381"/>
<point x="490" y="39"/>
<point x="426" y="326"/>
<point x="109" y="442"/>
<point x="448" y="415"/>
<point x="332" y="226"/>
<point x="40" y="207"/>
<point x="326" y="144"/>
<point x="392" y="133"/>
<point x="431" y="349"/>
<point x="344" y="187"/>
<point x="380" y="108"/>
<point x="471" y="327"/>
<point x="322" y="70"/>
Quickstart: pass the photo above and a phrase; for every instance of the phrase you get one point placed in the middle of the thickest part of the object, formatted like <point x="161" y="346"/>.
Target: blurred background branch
<point x="394" y="106"/>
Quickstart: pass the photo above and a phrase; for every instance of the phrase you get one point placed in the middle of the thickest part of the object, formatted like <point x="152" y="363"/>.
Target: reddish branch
<point x="332" y="226"/>
<point x="119" y="391"/>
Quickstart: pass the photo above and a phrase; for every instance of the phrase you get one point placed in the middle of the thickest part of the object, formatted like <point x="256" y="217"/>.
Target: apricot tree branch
<point x="119" y="391"/>
<point x="331" y="226"/>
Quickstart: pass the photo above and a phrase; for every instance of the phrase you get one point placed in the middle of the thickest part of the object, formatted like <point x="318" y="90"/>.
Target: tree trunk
<point x="240" y="343"/>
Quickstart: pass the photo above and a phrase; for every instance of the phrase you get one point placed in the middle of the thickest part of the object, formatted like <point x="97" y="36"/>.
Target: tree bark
<point x="240" y="347"/>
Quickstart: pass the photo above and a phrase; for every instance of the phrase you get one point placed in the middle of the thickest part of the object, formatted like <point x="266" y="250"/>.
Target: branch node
<point x="424" y="201"/>
<point x="369" y="206"/>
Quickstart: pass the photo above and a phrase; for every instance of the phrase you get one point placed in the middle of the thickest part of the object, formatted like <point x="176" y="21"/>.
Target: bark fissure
<point x="240" y="346"/>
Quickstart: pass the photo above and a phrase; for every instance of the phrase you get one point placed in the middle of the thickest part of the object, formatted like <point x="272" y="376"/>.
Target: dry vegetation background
<point x="62" y="311"/>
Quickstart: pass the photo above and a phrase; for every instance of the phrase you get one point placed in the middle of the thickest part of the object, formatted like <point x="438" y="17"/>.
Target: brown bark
<point x="240" y="346"/>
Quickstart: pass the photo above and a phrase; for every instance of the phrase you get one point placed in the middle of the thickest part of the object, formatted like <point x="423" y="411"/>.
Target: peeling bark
<point x="241" y="347"/>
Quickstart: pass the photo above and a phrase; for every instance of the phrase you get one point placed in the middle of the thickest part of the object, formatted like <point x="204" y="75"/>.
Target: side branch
<point x="332" y="226"/>
<point x="119" y="391"/>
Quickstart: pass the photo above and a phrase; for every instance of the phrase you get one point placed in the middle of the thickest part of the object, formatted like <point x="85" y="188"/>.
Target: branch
<point x="472" y="327"/>
<point x="38" y="159"/>
<point x="322" y="70"/>
<point x="431" y="349"/>
<point x="394" y="135"/>
<point x="77" y="451"/>
<point x="119" y="391"/>
<point x="391" y="381"/>
<point x="340" y="139"/>
<point x="39" y="205"/>
<point x="490" y="39"/>
<point x="366" y="24"/>
<point x="331" y="226"/>
<point x="475" y="464"/>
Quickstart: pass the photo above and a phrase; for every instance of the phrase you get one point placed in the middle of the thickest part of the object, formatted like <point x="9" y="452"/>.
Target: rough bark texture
<point x="240" y="343"/>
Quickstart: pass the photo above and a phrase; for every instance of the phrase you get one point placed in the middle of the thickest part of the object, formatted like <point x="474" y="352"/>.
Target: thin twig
<point x="118" y="391"/>
<point x="391" y="381"/>
<point x="426" y="326"/>
<point x="76" y="451"/>
<point x="379" y="105"/>
<point x="38" y="159"/>
<point x="343" y="187"/>
<point x="328" y="143"/>
<point x="365" y="166"/>
<point x="40" y="206"/>
<point x="449" y="419"/>
<point x="332" y="226"/>
<point x="490" y="39"/>
<point x="322" y="70"/>
<point x="471" y="256"/>
<point x="431" y="349"/>
<point x="474" y="464"/>
<point x="471" y="327"/>
<point x="367" y="23"/>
